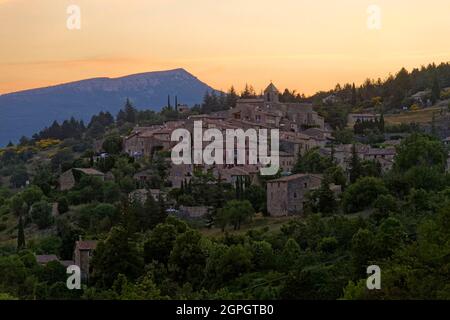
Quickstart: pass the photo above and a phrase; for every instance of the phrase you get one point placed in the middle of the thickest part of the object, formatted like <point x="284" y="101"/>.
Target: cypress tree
<point x="355" y="165"/>
<point x="20" y="235"/>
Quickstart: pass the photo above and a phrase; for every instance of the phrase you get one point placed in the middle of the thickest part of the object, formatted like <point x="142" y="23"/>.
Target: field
<point x="419" y="116"/>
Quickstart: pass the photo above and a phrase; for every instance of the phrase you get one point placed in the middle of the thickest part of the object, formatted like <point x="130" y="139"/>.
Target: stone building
<point x="286" y="196"/>
<point x="82" y="256"/>
<point x="268" y="110"/>
<point x="68" y="179"/>
<point x="287" y="161"/>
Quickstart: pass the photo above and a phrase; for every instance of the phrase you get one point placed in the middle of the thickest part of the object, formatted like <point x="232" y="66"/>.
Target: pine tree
<point x="130" y="112"/>
<point x="20" y="235"/>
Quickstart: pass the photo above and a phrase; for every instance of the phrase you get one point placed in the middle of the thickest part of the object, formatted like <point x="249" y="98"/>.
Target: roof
<point x="86" y="244"/>
<point x="271" y="87"/>
<point x="89" y="171"/>
<point x="46" y="258"/>
<point x="285" y="154"/>
<point x="376" y="151"/>
<point x="363" y="115"/>
<point x="295" y="177"/>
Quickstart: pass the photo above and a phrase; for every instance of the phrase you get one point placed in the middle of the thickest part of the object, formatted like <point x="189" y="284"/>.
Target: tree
<point x="112" y="145"/>
<point x="160" y="243"/>
<point x="20" y="235"/>
<point x="236" y="212"/>
<point x="19" y="178"/>
<point x="355" y="165"/>
<point x="117" y="254"/>
<point x="41" y="213"/>
<point x="353" y="99"/>
<point x="362" y="194"/>
<point x="420" y="150"/>
<point x="63" y="205"/>
<point x="435" y="89"/>
<point x="325" y="197"/>
<point x="312" y="162"/>
<point x="257" y="197"/>
<point x="363" y="249"/>
<point x="187" y="260"/>
<point x="32" y="195"/>
<point x="290" y="254"/>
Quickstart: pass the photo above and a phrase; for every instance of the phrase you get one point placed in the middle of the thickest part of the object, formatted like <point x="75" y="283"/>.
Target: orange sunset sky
<point x="300" y="44"/>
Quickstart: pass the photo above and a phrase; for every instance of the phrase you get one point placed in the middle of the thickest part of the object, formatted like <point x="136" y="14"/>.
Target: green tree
<point x="187" y="259"/>
<point x="160" y="243"/>
<point x="41" y="213"/>
<point x="236" y="212"/>
<point x="20" y="235"/>
<point x="63" y="205"/>
<point x="420" y="150"/>
<point x="112" y="145"/>
<point x="362" y="194"/>
<point x="355" y="165"/>
<point x="31" y="195"/>
<point x="117" y="254"/>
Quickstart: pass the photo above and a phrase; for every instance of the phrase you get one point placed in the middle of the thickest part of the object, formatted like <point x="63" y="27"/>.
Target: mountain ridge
<point x="28" y="111"/>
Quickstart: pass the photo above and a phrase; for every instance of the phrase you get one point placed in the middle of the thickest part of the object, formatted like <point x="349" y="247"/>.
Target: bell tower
<point x="271" y="94"/>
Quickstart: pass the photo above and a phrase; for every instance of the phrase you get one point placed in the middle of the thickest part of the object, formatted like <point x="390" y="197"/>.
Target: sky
<point x="304" y="45"/>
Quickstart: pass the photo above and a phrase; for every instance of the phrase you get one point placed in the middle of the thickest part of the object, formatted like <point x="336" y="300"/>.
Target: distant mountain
<point x="26" y="112"/>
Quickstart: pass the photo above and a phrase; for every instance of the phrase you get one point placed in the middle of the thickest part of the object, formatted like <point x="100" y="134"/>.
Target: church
<point x="267" y="110"/>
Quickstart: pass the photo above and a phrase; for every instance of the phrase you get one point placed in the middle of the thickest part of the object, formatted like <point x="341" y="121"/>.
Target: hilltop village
<point x="301" y="129"/>
<point x="363" y="179"/>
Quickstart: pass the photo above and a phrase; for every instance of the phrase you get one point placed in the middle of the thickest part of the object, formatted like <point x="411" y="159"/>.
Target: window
<point x="295" y="195"/>
<point x="306" y="185"/>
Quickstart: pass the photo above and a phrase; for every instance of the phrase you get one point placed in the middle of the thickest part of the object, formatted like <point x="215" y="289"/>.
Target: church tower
<point x="271" y="94"/>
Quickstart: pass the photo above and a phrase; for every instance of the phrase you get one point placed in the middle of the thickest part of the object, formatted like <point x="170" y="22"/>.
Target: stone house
<point x="193" y="212"/>
<point x="68" y="179"/>
<point x="286" y="195"/>
<point x="352" y="118"/>
<point x="287" y="161"/>
<point x="82" y="256"/>
<point x="179" y="173"/>
<point x="379" y="153"/>
<point x="141" y="195"/>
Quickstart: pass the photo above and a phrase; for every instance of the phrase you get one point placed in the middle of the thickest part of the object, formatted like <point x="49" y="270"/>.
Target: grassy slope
<point x="419" y="116"/>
